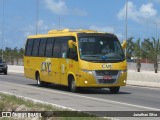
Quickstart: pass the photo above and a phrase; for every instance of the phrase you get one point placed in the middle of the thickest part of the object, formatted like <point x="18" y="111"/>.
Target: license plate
<point x="107" y="77"/>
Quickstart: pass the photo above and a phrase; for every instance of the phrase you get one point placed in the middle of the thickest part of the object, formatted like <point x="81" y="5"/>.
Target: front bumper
<point x="92" y="81"/>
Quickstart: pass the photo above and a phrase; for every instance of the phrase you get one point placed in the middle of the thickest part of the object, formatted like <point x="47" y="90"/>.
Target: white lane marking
<point x="76" y="95"/>
<point x="138" y="86"/>
<point x="151" y="88"/>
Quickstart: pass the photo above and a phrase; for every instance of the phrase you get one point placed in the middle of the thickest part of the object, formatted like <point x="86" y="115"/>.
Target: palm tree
<point x="152" y="50"/>
<point x="21" y="53"/>
<point x="130" y="48"/>
<point x="16" y="55"/>
<point x="7" y="53"/>
<point x="137" y="54"/>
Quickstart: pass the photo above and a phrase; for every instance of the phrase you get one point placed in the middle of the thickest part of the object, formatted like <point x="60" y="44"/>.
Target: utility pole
<point x="156" y="29"/>
<point x="37" y="13"/>
<point x="126" y="25"/>
<point x="59" y="22"/>
<point x="147" y="29"/>
<point x="2" y="26"/>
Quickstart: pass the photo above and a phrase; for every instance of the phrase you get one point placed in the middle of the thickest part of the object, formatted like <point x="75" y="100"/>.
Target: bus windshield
<point x="100" y="48"/>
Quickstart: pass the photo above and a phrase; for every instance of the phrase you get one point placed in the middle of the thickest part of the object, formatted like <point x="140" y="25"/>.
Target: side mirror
<point x="71" y="43"/>
<point x="124" y="44"/>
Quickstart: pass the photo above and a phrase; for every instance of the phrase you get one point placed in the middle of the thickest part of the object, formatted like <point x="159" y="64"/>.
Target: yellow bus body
<point x="59" y="70"/>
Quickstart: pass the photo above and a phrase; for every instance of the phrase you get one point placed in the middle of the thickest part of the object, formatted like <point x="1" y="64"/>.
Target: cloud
<point x="42" y="28"/>
<point x="147" y="11"/>
<point x="138" y="14"/>
<point x="102" y="29"/>
<point x="59" y="7"/>
<point x="42" y="25"/>
<point x="108" y="29"/>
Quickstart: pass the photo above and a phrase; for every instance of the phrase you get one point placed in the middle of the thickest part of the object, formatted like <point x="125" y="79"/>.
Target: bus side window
<point x="35" y="47"/>
<point x="29" y="47"/>
<point x="57" y="48"/>
<point x="49" y="47"/>
<point x="64" y="50"/>
<point x="42" y="47"/>
<point x="64" y="47"/>
<point x="72" y="53"/>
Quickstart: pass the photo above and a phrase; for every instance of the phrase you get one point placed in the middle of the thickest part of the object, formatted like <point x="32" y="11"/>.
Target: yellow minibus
<point x="77" y="59"/>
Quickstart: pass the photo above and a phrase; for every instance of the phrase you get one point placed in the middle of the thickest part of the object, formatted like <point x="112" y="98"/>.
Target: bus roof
<point x="71" y="30"/>
<point x="65" y="32"/>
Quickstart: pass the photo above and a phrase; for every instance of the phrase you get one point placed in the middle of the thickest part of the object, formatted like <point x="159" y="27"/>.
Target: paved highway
<point x="129" y="99"/>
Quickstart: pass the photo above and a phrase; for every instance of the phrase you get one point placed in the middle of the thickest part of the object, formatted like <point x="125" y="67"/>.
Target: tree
<point x="6" y="54"/>
<point x="152" y="50"/>
<point x="16" y="55"/>
<point x="130" y="48"/>
<point x="12" y="55"/>
<point x="137" y="53"/>
<point x="21" y="53"/>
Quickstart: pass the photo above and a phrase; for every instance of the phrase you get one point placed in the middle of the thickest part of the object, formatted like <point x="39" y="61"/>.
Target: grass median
<point x="12" y="103"/>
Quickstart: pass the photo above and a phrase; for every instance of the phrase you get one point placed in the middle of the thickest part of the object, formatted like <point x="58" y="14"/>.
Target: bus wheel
<point x="39" y="82"/>
<point x="114" y="90"/>
<point x="73" y="87"/>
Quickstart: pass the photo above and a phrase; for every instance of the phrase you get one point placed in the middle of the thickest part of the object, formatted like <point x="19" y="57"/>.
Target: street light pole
<point x="59" y="22"/>
<point x="147" y="29"/>
<point x="156" y="30"/>
<point x="37" y="12"/>
<point x="2" y="26"/>
<point x="126" y="25"/>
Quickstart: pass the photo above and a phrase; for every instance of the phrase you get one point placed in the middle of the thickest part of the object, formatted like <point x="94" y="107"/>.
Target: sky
<point x="101" y="15"/>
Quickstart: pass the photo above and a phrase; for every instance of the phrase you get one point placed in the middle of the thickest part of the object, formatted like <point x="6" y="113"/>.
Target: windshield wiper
<point x="91" y="56"/>
<point x="115" y="58"/>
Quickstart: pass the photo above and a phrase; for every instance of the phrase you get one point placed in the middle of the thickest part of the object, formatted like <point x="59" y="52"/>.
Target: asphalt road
<point x="129" y="99"/>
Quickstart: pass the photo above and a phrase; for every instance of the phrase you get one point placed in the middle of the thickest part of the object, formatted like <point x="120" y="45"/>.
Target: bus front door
<point x="63" y="71"/>
<point x="54" y="75"/>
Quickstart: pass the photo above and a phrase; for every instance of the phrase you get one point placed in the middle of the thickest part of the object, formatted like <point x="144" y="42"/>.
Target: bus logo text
<point x="107" y="66"/>
<point x="46" y="66"/>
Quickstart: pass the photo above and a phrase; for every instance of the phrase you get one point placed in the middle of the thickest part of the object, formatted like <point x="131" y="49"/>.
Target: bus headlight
<point x="87" y="71"/>
<point x="123" y="71"/>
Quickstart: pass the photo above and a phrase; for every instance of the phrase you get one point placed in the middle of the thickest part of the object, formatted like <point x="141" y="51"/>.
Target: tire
<point x="114" y="90"/>
<point x="5" y="72"/>
<point x="39" y="82"/>
<point x="73" y="87"/>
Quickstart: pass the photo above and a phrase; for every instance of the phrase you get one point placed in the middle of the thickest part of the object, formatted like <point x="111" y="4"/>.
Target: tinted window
<point x="60" y="47"/>
<point x="42" y="47"/>
<point x="29" y="47"/>
<point x="64" y="47"/>
<point x="35" y="47"/>
<point x="57" y="48"/>
<point x="49" y="47"/>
